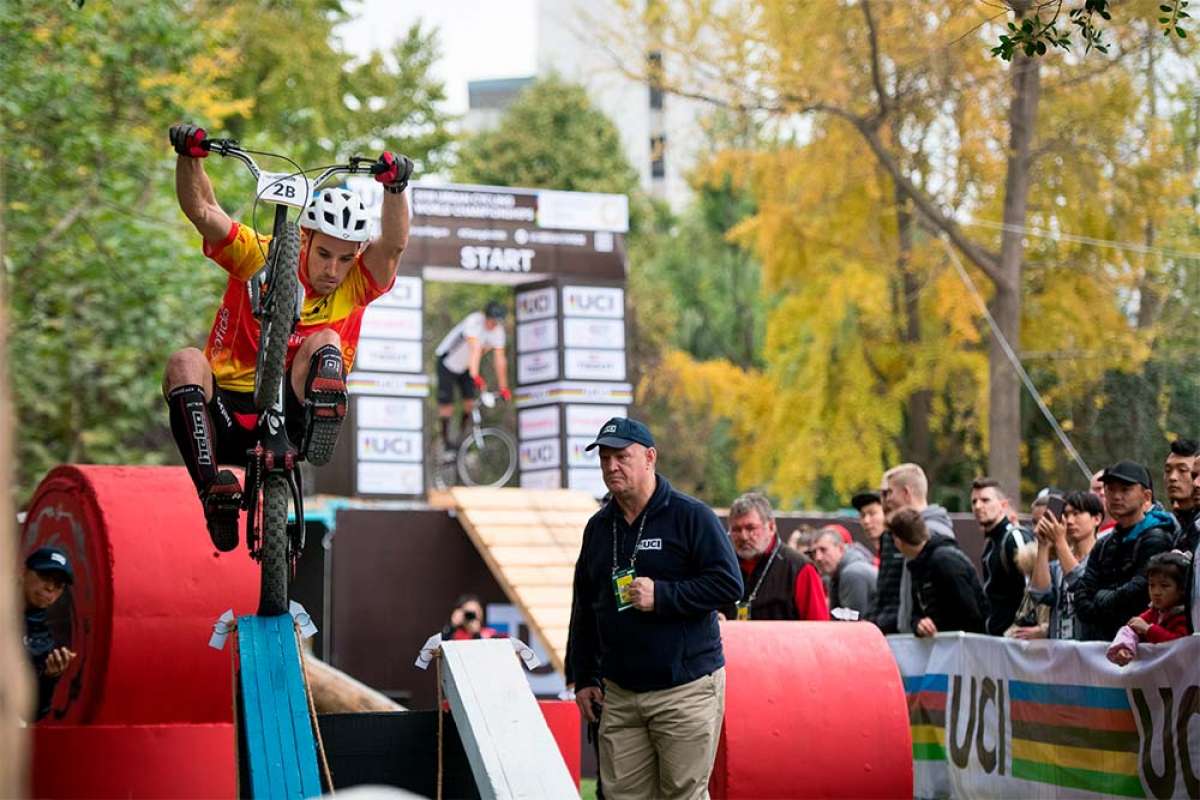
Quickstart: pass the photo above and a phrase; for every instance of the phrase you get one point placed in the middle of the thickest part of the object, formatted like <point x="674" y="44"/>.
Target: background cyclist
<point x="210" y="394"/>
<point x="459" y="356"/>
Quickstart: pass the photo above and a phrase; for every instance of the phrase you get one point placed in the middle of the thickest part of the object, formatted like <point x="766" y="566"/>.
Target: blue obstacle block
<point x="281" y="752"/>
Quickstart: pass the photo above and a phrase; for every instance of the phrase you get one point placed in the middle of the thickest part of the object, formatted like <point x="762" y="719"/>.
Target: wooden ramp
<point x="279" y="752"/>
<point x="530" y="540"/>
<point x="512" y="753"/>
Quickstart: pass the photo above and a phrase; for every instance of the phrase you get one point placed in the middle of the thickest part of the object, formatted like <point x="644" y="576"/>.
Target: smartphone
<point x="1055" y="504"/>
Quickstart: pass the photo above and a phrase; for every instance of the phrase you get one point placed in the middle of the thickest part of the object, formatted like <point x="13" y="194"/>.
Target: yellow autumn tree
<point x="899" y="160"/>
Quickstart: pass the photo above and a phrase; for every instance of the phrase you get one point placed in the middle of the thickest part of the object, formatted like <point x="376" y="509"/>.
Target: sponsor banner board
<point x="540" y="334"/>
<point x="574" y="392"/>
<point x="586" y="420"/>
<point x="594" y="365"/>
<point x="385" y="477"/>
<point x="392" y="355"/>
<point x="585" y="332"/>
<point x="403" y="413"/>
<point x="395" y="384"/>
<point x="579" y="456"/>
<point x="537" y="367"/>
<point x="537" y="423"/>
<point x="537" y="304"/>
<point x="588" y="479"/>
<point x="541" y="479"/>
<point x="607" y="302"/>
<point x="997" y="717"/>
<point x="539" y="454"/>
<point x="405" y="293"/>
<point x="377" y="444"/>
<point x="383" y="322"/>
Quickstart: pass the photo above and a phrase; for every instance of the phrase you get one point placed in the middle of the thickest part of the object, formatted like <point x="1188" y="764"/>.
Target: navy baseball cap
<point x="51" y="559"/>
<point x="620" y="432"/>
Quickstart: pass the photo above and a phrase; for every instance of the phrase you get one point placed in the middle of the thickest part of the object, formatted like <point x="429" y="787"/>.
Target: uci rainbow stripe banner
<point x="997" y="717"/>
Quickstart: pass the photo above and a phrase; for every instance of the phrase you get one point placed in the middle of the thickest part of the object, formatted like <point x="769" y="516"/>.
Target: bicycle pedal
<point x="222" y="501"/>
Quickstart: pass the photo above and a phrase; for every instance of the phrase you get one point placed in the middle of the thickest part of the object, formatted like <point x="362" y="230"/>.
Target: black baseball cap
<point x="864" y="499"/>
<point x="1128" y="472"/>
<point x="620" y="432"/>
<point x="51" y="559"/>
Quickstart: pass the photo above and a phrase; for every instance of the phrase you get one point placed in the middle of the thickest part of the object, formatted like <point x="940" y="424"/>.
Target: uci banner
<point x="995" y="717"/>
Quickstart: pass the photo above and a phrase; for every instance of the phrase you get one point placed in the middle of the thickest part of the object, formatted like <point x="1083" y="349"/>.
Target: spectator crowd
<point x="657" y="570"/>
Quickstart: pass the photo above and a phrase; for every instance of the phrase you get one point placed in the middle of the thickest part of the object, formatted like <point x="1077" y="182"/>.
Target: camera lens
<point x="469" y="616"/>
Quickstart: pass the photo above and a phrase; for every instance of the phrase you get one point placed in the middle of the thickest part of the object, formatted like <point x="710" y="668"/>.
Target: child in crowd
<point x="1165" y="619"/>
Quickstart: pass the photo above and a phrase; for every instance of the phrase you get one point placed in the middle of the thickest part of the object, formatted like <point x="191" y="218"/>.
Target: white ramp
<point x="509" y="746"/>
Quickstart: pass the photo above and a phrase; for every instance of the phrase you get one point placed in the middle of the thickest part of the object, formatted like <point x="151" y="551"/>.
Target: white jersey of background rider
<point x="454" y="351"/>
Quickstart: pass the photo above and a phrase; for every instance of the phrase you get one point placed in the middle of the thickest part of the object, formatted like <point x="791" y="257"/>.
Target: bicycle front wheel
<point x="273" y="555"/>
<point x="487" y="457"/>
<point x="284" y="255"/>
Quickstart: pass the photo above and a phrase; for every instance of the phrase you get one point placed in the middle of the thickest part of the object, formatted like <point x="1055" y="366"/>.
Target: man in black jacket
<point x="653" y="568"/>
<point x="1003" y="581"/>
<point x="946" y="592"/>
<point x="1177" y="480"/>
<point x="1113" y="588"/>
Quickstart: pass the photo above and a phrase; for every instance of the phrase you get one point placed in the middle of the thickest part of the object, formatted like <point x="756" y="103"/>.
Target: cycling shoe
<point x="222" y="501"/>
<point x="324" y="410"/>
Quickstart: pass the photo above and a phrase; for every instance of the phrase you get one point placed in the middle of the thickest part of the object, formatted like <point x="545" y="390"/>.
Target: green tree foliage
<point x="104" y="276"/>
<point x="550" y="138"/>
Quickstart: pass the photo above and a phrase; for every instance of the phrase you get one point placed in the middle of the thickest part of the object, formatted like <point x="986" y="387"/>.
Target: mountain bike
<point x="277" y="299"/>
<point x="487" y="456"/>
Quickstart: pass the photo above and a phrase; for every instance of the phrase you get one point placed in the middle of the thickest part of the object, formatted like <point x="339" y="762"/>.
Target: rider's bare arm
<point x="382" y="256"/>
<point x="500" y="362"/>
<point x="474" y="356"/>
<point x="199" y="204"/>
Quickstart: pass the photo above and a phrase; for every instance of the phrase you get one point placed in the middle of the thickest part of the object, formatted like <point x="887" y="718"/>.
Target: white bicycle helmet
<point x="338" y="213"/>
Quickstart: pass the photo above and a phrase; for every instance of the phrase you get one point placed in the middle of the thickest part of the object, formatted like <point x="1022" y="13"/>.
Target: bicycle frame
<point x="274" y="452"/>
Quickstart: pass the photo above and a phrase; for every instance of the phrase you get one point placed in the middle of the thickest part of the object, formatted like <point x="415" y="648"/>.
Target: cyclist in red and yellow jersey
<point x="210" y="394"/>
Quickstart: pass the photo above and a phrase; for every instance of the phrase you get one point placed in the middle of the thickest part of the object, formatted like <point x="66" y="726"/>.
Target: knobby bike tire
<point x="273" y="589"/>
<point x="496" y="458"/>
<point x="284" y="253"/>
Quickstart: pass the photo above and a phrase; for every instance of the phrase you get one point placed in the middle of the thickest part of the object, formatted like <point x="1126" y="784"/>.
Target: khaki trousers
<point x="660" y="745"/>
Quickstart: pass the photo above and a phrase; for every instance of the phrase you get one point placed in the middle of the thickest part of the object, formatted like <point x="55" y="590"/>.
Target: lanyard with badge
<point x="622" y="579"/>
<point x="743" y="606"/>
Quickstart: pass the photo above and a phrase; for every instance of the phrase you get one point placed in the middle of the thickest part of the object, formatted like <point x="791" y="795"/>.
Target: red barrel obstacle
<point x="146" y="709"/>
<point x="812" y="709"/>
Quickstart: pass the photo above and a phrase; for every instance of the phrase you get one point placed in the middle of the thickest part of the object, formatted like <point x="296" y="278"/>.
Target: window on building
<point x="658" y="156"/>
<point x="654" y="75"/>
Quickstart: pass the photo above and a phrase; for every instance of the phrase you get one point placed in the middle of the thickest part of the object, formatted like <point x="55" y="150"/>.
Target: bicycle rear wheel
<point x="487" y="457"/>
<point x="284" y="255"/>
<point x="273" y="554"/>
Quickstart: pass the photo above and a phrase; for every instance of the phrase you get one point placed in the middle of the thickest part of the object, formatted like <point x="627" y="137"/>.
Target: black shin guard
<point x="444" y="422"/>
<point x="464" y="426"/>
<point x="192" y="428"/>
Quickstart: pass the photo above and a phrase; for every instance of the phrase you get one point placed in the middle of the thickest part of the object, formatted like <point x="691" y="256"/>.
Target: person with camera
<point x="467" y="621"/>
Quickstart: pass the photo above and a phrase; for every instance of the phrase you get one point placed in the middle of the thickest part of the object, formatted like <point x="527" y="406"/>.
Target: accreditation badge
<point x="743" y="611"/>
<point x="622" y="579"/>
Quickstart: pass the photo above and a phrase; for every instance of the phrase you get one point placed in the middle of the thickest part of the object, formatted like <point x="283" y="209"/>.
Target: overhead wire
<point x="1013" y="359"/>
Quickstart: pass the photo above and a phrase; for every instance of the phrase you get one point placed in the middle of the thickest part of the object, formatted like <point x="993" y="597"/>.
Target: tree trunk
<point x="1004" y="412"/>
<point x="16" y="701"/>
<point x="915" y="446"/>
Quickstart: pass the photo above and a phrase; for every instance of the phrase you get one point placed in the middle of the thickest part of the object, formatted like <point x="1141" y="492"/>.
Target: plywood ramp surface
<point x="530" y="540"/>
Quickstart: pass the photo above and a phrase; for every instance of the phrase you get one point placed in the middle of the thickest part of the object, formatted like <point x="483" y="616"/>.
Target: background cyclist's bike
<point x="487" y="456"/>
<point x="277" y="298"/>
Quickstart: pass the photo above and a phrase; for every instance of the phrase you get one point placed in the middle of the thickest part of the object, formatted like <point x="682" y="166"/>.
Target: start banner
<point x="995" y="717"/>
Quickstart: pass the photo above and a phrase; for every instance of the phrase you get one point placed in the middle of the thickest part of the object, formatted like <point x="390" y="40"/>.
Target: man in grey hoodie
<point x="905" y="486"/>
<point x="851" y="569"/>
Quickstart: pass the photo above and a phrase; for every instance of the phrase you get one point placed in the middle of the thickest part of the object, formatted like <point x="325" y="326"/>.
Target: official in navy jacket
<point x="645" y="647"/>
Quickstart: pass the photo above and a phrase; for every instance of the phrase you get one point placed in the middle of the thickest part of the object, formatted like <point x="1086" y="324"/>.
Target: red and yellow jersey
<point x="232" y="346"/>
